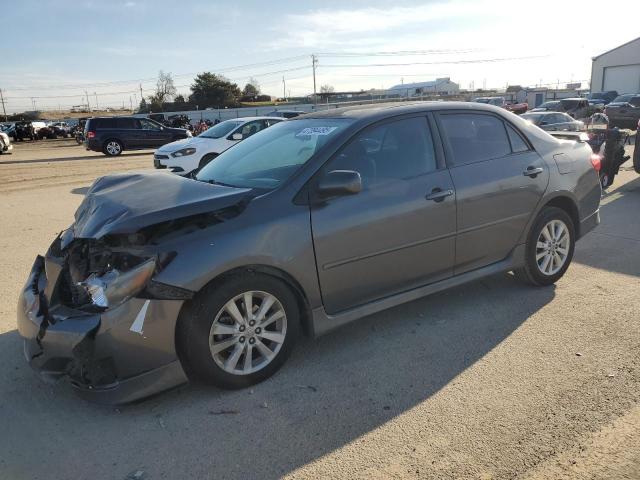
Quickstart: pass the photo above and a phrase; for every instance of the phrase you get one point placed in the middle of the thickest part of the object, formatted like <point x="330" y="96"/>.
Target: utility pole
<point x="314" y="61"/>
<point x="141" y="97"/>
<point x="284" y="89"/>
<point x="3" y="109"/>
<point x="88" y="105"/>
<point x="96" y="95"/>
<point x="131" y="103"/>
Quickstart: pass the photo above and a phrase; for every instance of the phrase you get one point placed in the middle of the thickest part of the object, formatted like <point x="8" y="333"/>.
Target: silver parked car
<point x="554" y="121"/>
<point x="303" y="227"/>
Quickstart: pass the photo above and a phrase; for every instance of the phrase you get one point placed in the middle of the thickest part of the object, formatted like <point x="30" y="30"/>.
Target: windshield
<point x="623" y="99"/>
<point x="481" y="100"/>
<point x="596" y="96"/>
<point x="221" y="129"/>
<point x="568" y="104"/>
<point x="268" y="158"/>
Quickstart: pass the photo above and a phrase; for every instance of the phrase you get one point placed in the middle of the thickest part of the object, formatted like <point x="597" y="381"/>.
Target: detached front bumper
<point x="116" y="356"/>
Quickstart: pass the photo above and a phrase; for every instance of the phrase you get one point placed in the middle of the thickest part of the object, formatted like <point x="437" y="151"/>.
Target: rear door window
<point x="125" y="123"/>
<point x="474" y="138"/>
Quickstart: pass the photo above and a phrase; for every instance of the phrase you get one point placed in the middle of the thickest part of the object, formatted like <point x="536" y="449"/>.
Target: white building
<point x="617" y="69"/>
<point x="438" y="86"/>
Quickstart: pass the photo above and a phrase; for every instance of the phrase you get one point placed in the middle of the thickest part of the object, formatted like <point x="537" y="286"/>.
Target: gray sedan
<point x="302" y="228"/>
<point x="554" y="121"/>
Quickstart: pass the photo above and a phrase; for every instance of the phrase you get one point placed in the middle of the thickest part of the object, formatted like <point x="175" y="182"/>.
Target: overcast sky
<point x="62" y="48"/>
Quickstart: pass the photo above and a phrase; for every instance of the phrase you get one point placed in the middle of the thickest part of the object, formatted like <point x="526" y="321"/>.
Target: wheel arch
<point x="301" y="297"/>
<point x="560" y="199"/>
<point x="567" y="204"/>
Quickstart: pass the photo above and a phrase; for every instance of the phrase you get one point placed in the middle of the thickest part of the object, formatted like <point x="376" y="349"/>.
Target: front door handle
<point x="438" y="195"/>
<point x="533" y="171"/>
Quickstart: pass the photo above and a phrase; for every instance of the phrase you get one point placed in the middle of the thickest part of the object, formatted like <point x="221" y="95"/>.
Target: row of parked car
<point x="36" y="130"/>
<point x="623" y="111"/>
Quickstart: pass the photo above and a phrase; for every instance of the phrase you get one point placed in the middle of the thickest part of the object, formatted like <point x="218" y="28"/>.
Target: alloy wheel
<point x="248" y="332"/>
<point x="552" y="247"/>
<point x="113" y="148"/>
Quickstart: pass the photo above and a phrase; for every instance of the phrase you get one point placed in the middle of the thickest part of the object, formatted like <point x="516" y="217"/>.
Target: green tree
<point x="211" y="90"/>
<point x="179" y="99"/>
<point x="252" y="88"/>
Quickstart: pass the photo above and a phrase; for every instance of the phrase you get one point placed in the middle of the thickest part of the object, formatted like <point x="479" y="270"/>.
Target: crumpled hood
<point x="194" y="142"/>
<point x="124" y="203"/>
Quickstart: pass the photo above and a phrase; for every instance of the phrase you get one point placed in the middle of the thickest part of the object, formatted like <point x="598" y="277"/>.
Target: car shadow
<point x="331" y="391"/>
<point x="94" y="156"/>
<point x="615" y="244"/>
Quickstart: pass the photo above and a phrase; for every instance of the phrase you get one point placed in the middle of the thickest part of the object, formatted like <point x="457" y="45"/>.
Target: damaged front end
<point x="91" y="311"/>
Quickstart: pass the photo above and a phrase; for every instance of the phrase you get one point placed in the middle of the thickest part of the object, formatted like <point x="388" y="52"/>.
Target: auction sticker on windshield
<point x="309" y="131"/>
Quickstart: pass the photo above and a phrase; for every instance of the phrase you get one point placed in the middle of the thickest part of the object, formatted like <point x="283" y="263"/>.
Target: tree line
<point x="208" y="90"/>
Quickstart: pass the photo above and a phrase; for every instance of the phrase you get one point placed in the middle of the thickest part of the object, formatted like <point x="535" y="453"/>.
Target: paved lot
<point x="489" y="380"/>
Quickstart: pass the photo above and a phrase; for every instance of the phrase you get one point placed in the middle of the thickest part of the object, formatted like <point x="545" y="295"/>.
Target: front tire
<point x="112" y="148"/>
<point x="549" y="248"/>
<point x="238" y="331"/>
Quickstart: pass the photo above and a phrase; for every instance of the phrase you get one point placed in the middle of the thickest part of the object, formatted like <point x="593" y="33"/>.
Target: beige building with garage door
<point x="617" y="69"/>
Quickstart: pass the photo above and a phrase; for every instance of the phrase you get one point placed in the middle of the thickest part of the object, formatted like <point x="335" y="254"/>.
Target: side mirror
<point x="338" y="183"/>
<point x="236" y="136"/>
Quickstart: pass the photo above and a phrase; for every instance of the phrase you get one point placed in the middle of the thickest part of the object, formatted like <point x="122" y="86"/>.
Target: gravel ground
<point x="489" y="380"/>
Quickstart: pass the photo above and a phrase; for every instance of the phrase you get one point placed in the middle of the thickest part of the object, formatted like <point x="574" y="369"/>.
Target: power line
<point x="399" y="53"/>
<point x="446" y="62"/>
<point x="151" y="79"/>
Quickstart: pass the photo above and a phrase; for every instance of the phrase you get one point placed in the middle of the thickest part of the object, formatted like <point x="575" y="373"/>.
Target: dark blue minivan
<point x="112" y="135"/>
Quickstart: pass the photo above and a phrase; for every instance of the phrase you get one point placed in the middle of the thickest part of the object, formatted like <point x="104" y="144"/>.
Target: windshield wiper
<point x="214" y="182"/>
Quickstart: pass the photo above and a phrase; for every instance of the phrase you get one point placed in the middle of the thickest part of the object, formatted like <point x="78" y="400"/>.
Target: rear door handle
<point x="533" y="171"/>
<point x="438" y="195"/>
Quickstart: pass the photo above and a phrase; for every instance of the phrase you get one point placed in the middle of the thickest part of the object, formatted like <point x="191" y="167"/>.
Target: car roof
<point x="572" y="98"/>
<point x="250" y="119"/>
<point x="372" y="111"/>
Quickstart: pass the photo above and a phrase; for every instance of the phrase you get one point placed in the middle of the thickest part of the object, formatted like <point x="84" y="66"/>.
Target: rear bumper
<point x="92" y="144"/>
<point x="104" y="357"/>
<point x="589" y="223"/>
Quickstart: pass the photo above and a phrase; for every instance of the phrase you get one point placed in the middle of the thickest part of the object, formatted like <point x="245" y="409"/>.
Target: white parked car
<point x="5" y="143"/>
<point x="184" y="156"/>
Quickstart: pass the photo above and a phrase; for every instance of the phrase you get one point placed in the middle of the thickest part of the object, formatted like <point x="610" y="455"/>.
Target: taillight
<point x="91" y="134"/>
<point x="596" y="162"/>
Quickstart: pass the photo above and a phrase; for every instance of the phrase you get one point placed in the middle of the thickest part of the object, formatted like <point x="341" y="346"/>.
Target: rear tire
<point x="219" y="344"/>
<point x="549" y="248"/>
<point x="112" y="148"/>
<point x="606" y="179"/>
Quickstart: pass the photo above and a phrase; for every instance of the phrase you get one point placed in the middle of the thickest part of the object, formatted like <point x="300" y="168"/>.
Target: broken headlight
<point x="114" y="287"/>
